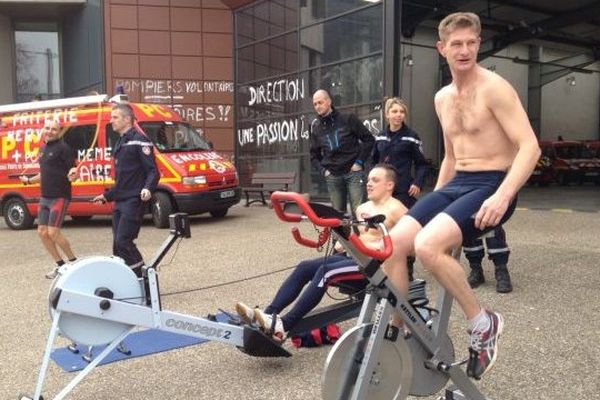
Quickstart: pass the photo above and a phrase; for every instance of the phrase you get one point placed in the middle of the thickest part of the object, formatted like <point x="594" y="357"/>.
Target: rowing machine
<point x="98" y="301"/>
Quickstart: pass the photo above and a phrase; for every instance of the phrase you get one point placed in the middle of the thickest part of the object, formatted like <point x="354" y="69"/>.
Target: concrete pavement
<point x="549" y="349"/>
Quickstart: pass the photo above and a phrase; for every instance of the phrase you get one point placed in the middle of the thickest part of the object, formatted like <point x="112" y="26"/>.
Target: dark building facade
<point x="284" y="51"/>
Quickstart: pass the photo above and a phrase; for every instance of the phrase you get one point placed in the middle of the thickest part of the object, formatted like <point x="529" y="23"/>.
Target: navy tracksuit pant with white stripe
<point x="497" y="248"/>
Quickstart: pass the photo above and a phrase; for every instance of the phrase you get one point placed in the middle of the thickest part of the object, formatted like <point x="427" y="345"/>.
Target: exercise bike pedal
<point x="461" y="362"/>
<point x="392" y="332"/>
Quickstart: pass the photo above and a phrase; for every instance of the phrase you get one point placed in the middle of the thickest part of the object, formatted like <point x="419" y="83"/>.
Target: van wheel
<point x="161" y="209"/>
<point x="16" y="214"/>
<point x="219" y="213"/>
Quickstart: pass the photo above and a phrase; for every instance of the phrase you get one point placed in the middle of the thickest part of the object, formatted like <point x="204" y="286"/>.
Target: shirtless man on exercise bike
<point x="490" y="152"/>
<point x="314" y="273"/>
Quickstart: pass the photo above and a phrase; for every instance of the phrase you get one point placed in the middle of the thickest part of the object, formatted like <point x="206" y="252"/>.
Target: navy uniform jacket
<point x="135" y="168"/>
<point x="402" y="149"/>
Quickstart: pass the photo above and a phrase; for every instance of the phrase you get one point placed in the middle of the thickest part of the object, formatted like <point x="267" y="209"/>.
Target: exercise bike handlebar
<point x="278" y="197"/>
<point x="323" y="237"/>
<point x="378" y="254"/>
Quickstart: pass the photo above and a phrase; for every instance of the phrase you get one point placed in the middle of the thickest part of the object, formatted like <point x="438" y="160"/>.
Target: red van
<point x="194" y="179"/>
<point x="594" y="148"/>
<point x="571" y="161"/>
<point x="543" y="174"/>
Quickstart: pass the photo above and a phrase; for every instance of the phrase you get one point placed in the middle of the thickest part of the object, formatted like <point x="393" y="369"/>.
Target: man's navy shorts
<point x="461" y="198"/>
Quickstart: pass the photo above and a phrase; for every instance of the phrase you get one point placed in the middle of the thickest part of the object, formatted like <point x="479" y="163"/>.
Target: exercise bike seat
<point x="350" y="284"/>
<point x="355" y="282"/>
<point x="321" y="210"/>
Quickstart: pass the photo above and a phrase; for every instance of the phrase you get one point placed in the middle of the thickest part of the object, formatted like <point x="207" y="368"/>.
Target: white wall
<point x="570" y="111"/>
<point x="419" y="84"/>
<point x="7" y="72"/>
<point x="516" y="74"/>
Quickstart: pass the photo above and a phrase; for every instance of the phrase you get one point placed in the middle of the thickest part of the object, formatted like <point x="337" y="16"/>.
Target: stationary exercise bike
<point x="99" y="301"/>
<point x="374" y="360"/>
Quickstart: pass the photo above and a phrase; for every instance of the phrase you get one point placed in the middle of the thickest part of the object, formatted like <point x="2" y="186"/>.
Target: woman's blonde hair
<point x="392" y="101"/>
<point x="458" y="20"/>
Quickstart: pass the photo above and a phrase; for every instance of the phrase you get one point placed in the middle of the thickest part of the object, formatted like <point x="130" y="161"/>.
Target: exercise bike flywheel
<point x="86" y="276"/>
<point x="391" y="378"/>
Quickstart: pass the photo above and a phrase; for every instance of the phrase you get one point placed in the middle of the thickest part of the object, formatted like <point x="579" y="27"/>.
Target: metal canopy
<point x="575" y="23"/>
<point x="39" y="10"/>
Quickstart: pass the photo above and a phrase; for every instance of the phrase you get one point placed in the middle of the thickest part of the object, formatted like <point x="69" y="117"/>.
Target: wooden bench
<point x="267" y="183"/>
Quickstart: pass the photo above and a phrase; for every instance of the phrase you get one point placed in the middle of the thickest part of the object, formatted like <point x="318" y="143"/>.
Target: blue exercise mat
<point x="140" y="343"/>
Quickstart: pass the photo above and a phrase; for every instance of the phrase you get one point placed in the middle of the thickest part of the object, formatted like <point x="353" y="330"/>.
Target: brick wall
<point x="175" y="52"/>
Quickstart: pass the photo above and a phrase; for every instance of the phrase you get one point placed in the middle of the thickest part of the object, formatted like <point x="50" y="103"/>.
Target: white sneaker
<point x="271" y="324"/>
<point x="245" y="312"/>
<point x="52" y="274"/>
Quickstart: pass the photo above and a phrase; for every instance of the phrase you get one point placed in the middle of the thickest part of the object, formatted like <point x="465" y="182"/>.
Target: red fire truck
<point x="194" y="178"/>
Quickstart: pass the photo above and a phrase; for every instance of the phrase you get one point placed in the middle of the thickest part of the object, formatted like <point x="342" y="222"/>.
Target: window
<point x="353" y="35"/>
<point x="37" y="61"/>
<point x="352" y="82"/>
<point x="315" y="10"/>
<point x="174" y="136"/>
<point x="80" y="139"/>
<point x="285" y="51"/>
<point x="276" y="56"/>
<point x="167" y="136"/>
<point x="266" y="19"/>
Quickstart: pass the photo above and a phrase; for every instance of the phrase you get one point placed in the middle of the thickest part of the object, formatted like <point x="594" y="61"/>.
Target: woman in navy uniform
<point x="400" y="146"/>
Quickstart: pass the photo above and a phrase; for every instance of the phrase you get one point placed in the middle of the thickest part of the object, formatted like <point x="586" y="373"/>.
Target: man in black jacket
<point x="136" y="177"/>
<point x="340" y="146"/>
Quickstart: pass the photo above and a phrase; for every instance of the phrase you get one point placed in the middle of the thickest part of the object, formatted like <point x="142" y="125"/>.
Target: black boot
<point x="476" y="277"/>
<point x="410" y="264"/>
<point x="503" y="284"/>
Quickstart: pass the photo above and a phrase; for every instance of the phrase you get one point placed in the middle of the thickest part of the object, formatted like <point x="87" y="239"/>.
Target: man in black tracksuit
<point x="57" y="170"/>
<point x="136" y="177"/>
<point x="339" y="147"/>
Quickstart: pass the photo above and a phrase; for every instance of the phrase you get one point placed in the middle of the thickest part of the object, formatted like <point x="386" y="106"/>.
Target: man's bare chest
<point x="464" y="115"/>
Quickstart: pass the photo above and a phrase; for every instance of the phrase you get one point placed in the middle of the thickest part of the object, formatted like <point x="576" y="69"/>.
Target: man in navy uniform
<point x="136" y="177"/>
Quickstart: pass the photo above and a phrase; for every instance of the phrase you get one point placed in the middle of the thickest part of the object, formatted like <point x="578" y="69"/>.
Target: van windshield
<point x="171" y="137"/>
